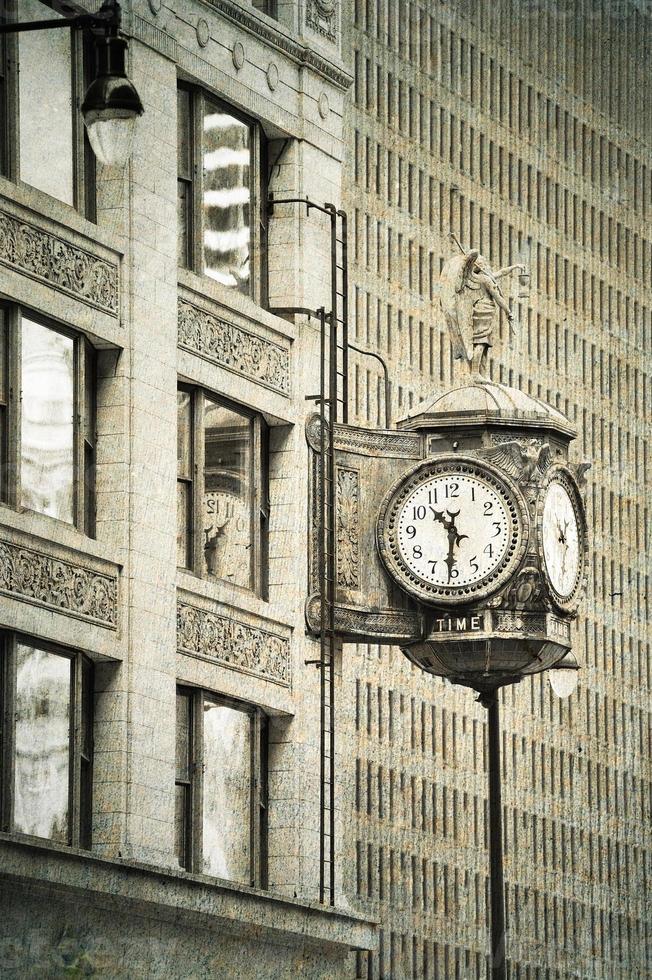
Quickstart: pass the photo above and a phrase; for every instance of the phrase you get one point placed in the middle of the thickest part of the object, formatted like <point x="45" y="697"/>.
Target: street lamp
<point x="111" y="105"/>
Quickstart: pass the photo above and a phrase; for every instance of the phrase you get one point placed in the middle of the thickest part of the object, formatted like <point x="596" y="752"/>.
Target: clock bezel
<point x="559" y="473"/>
<point x="451" y="464"/>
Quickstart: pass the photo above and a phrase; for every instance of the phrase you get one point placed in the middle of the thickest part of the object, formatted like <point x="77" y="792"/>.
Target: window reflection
<point x="226" y="155"/>
<point x="47" y="437"/>
<point x="42" y="743"/>
<point x="227" y="793"/>
<point x="45" y="106"/>
<point x="227" y="494"/>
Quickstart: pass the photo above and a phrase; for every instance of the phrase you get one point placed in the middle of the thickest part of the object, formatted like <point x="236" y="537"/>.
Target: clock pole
<point x="496" y="875"/>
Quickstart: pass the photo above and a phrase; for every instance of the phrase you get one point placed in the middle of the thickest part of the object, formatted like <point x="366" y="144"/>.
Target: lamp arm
<point x="107" y="16"/>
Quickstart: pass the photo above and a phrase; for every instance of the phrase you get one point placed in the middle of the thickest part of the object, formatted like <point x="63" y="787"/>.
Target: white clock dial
<point x="453" y="530"/>
<point x="561" y="540"/>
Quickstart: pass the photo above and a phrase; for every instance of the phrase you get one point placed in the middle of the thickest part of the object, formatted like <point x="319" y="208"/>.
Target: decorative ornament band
<point x="84" y="593"/>
<point x="347" y="490"/>
<point x="52" y="260"/>
<point x="233" y="348"/>
<point x="233" y="644"/>
<point x="386" y="626"/>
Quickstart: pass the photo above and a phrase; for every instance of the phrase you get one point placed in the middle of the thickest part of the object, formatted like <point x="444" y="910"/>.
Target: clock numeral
<point x="488" y="508"/>
<point x="433" y="562"/>
<point x="416" y="551"/>
<point x="432" y="496"/>
<point x="489" y="550"/>
<point x="418" y="513"/>
<point x="410" y="530"/>
<point x="472" y="492"/>
<point x="498" y="527"/>
<point x="453" y="573"/>
<point x="453" y="490"/>
<point x="473" y="563"/>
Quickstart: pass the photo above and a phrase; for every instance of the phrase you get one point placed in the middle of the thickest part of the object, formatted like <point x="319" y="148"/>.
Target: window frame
<point x="259" y="498"/>
<point x="80" y="738"/>
<point x="82" y="65"/>
<point x="258" y="798"/>
<point x="84" y="404"/>
<point x="198" y="99"/>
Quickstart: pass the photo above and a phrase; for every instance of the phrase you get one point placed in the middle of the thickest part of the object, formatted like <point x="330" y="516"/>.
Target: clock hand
<point x="454" y="537"/>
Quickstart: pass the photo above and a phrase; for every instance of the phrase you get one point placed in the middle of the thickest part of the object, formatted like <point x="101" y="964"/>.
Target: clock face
<point x="452" y="531"/>
<point x="561" y="538"/>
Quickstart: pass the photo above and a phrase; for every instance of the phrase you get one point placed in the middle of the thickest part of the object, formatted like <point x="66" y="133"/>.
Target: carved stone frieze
<point x="240" y="646"/>
<point x="373" y="442"/>
<point x="58" y="584"/>
<point x="51" y="259"/>
<point x="233" y="348"/>
<point x="321" y="16"/>
<point x="348" y="527"/>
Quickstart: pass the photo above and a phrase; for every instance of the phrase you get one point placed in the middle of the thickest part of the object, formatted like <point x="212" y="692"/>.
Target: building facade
<point x="160" y="748"/>
<point x="523" y="129"/>
<point x="160" y="770"/>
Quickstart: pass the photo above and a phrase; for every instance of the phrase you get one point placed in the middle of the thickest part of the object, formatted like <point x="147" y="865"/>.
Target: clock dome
<point x="486" y="404"/>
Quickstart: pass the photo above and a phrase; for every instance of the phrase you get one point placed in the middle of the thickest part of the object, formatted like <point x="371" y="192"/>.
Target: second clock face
<point x="453" y="530"/>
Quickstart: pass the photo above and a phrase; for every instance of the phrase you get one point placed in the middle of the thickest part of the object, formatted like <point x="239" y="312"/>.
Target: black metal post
<point x="496" y="874"/>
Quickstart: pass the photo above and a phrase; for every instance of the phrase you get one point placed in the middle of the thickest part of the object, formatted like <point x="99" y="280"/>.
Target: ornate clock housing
<point x="562" y="537"/>
<point x="452" y="530"/>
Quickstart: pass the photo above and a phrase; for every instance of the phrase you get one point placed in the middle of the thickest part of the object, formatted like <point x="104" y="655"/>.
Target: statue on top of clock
<point x="470" y="296"/>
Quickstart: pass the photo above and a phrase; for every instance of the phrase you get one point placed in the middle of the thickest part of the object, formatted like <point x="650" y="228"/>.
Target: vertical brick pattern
<point x="502" y="123"/>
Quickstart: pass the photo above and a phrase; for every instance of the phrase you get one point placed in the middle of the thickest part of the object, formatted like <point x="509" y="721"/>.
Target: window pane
<point x="184" y="485"/>
<point x="184" y="435"/>
<point x="184" y="169"/>
<point x="47" y="437"/>
<point x="183" y="737"/>
<point x="42" y="743"/>
<point x="227" y="494"/>
<point x="181" y="826"/>
<point x="227" y="792"/>
<point x="226" y="198"/>
<point x="45" y="106"/>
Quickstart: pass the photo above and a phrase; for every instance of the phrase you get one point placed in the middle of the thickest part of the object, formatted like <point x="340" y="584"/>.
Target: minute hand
<point x="454" y="537"/>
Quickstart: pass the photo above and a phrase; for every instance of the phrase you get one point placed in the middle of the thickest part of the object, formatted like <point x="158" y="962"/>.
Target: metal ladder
<point x="333" y="407"/>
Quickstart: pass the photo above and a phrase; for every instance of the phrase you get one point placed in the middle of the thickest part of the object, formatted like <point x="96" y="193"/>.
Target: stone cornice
<point x="275" y="36"/>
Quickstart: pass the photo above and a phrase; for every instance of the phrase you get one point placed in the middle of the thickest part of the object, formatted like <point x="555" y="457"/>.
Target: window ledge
<point x="234" y="302"/>
<point x="185" y="899"/>
<point x="54" y="534"/>
<point x="43" y="209"/>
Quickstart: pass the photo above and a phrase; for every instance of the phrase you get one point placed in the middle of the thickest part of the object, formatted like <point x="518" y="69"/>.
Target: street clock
<point x="563" y="538"/>
<point x="452" y="530"/>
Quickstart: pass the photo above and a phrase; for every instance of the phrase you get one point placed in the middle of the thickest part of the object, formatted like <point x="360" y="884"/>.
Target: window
<point x="47" y="418"/>
<point x="47" y="699"/>
<point x="266" y="6"/>
<point x="220" y="194"/>
<point x="221" y="805"/>
<point x="43" y="76"/>
<point x="222" y="490"/>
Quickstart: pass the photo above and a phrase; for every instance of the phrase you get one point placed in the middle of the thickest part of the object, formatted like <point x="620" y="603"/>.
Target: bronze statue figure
<point x="469" y="295"/>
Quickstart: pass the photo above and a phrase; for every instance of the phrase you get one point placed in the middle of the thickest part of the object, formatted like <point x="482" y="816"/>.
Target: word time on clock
<point x="453" y="530"/>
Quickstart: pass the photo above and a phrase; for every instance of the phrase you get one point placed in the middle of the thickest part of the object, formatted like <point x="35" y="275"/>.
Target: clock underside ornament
<point x="563" y="538"/>
<point x="452" y="530"/>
